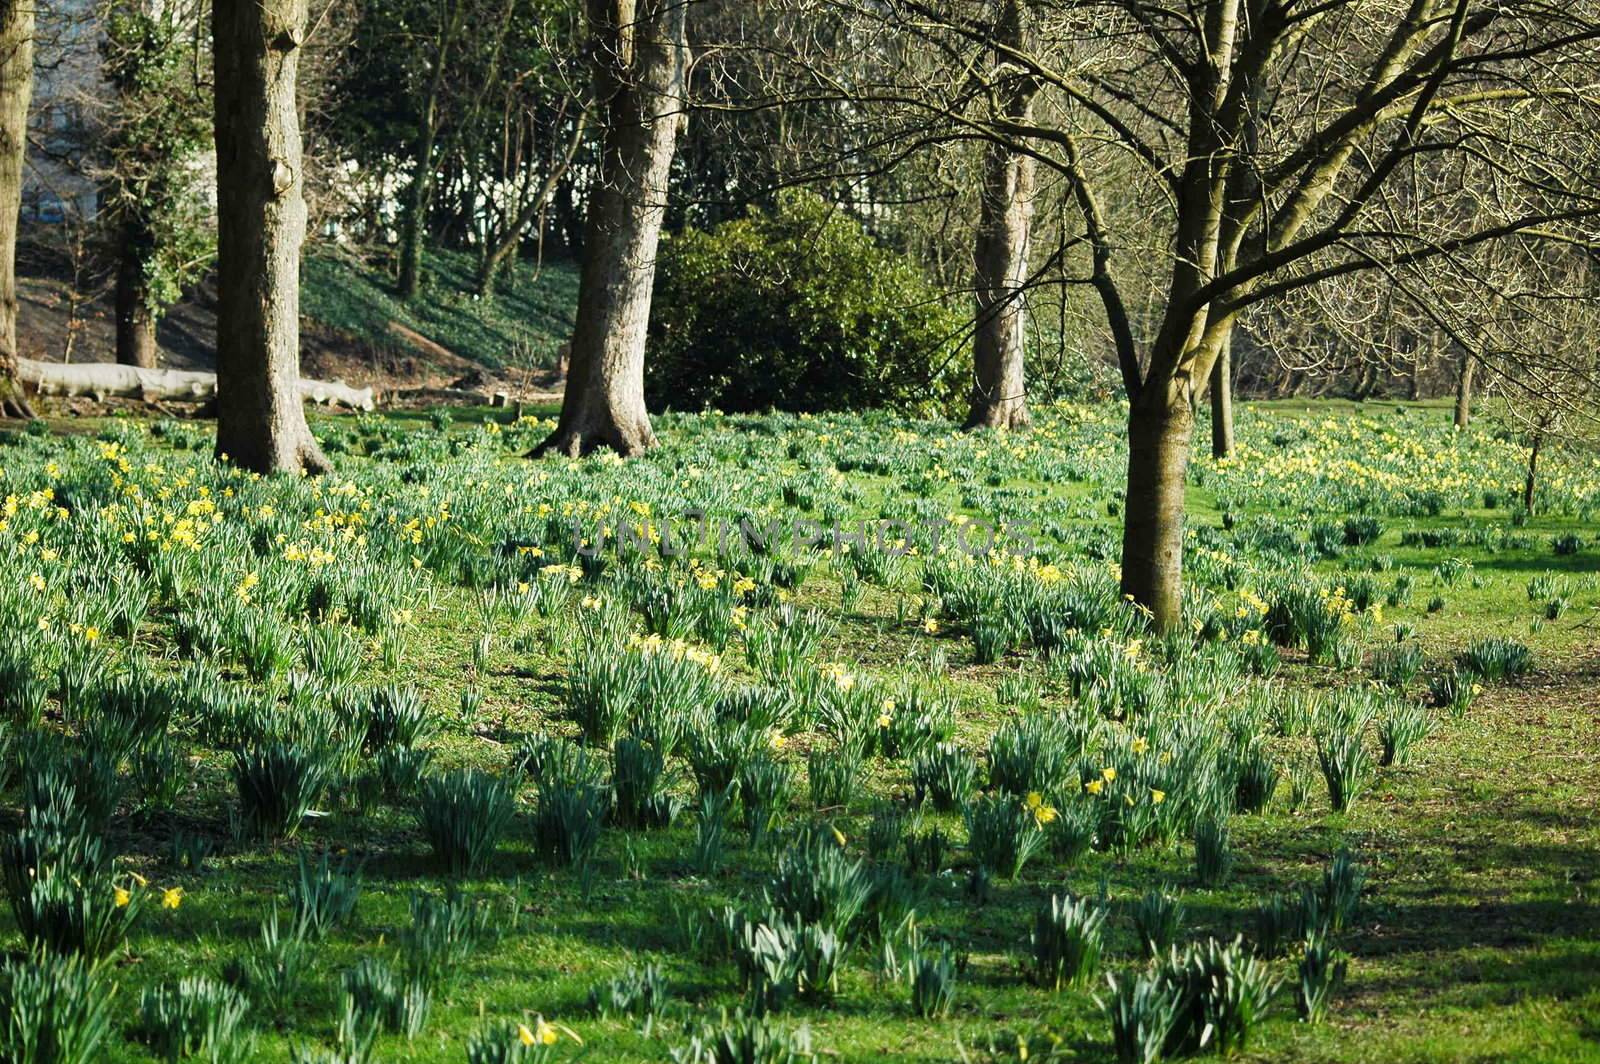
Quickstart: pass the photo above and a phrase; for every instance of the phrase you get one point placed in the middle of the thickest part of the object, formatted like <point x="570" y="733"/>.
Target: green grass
<point x="529" y="318"/>
<point x="1479" y="939"/>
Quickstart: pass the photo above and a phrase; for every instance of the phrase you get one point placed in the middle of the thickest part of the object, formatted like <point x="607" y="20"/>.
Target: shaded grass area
<point x="529" y="318"/>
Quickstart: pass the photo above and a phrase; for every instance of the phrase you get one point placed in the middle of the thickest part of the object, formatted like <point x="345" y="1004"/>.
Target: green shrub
<point x="640" y="782"/>
<point x="278" y="783"/>
<point x="195" y="1017"/>
<point x="832" y="775"/>
<point x="1003" y="834"/>
<point x="1143" y="1010"/>
<point x="1346" y="768"/>
<point x="817" y="883"/>
<point x="1223" y="993"/>
<point x="1497" y="658"/>
<point x="1157" y="917"/>
<point x="637" y="993"/>
<point x="53" y="1010"/>
<point x="375" y="996"/>
<point x="945" y="775"/>
<point x="1406" y="725"/>
<point x="1213" y="853"/>
<point x="443" y="934"/>
<point x="1067" y="937"/>
<point x="324" y="896"/>
<point x="933" y="983"/>
<point x="1321" y="972"/>
<point x="797" y="309"/>
<point x="463" y="814"/>
<point x="742" y="1039"/>
<point x="270" y="973"/>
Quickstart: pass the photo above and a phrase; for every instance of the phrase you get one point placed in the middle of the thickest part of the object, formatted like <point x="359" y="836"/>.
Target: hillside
<point x="353" y="327"/>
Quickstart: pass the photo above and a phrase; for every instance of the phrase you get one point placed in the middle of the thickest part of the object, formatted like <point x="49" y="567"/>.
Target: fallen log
<point x="101" y="379"/>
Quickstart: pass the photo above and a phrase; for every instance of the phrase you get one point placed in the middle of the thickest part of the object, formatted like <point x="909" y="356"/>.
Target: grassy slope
<point x="530" y="316"/>
<point x="1481" y="941"/>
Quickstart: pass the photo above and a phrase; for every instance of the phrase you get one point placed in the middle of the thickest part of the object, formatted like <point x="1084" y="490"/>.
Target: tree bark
<point x="1004" y="239"/>
<point x="136" y="323"/>
<point x="16" y="90"/>
<point x="1469" y="368"/>
<point x="1222" y="400"/>
<point x="1160" y="424"/>
<point x="1530" y="485"/>
<point x="641" y="63"/>
<point x="414" y="218"/>
<point x="261" y="222"/>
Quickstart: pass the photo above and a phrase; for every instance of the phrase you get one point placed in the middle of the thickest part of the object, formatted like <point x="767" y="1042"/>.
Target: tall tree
<point x="641" y="59"/>
<point x="1004" y="238"/>
<point x="16" y="89"/>
<point x="261" y="222"/>
<point x="155" y="125"/>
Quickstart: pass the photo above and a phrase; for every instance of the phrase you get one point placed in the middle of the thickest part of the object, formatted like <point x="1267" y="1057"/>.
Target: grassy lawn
<point x="1478" y="934"/>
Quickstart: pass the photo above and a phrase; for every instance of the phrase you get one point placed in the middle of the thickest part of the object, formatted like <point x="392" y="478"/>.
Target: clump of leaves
<point x="1068" y="934"/>
<point x="464" y="813"/>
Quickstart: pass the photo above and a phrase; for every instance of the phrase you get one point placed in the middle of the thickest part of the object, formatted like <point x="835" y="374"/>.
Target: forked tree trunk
<point x="1531" y="484"/>
<point x="1222" y="401"/>
<point x="1160" y="425"/>
<point x="261" y="222"/>
<point x="1004" y="239"/>
<point x="16" y="89"/>
<point x="641" y="62"/>
<point x="1469" y="368"/>
<point x="136" y="324"/>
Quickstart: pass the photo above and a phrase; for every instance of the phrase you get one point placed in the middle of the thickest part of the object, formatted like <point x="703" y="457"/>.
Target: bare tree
<point x="16" y="89"/>
<point x="1274" y="142"/>
<point x="641" y="61"/>
<point x="261" y="221"/>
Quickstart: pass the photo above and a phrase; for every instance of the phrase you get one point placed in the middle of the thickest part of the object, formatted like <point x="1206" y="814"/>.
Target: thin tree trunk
<point x="261" y="222"/>
<point x="16" y="89"/>
<point x="640" y="68"/>
<point x="136" y="324"/>
<point x="414" y="216"/>
<point x="1222" y="401"/>
<point x="999" y="388"/>
<point x="1159" y="431"/>
<point x="1469" y="368"/>
<point x="1531" y="484"/>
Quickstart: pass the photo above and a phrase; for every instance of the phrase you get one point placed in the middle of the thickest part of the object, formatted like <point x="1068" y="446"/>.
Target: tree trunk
<point x="641" y="64"/>
<point x="1004" y="238"/>
<point x="1469" y="367"/>
<point x="1531" y="484"/>
<point x="261" y="223"/>
<point x="136" y="324"/>
<point x="414" y="217"/>
<point x="1159" y="428"/>
<point x="16" y="89"/>
<point x="1222" y="400"/>
<point x="490" y="259"/>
